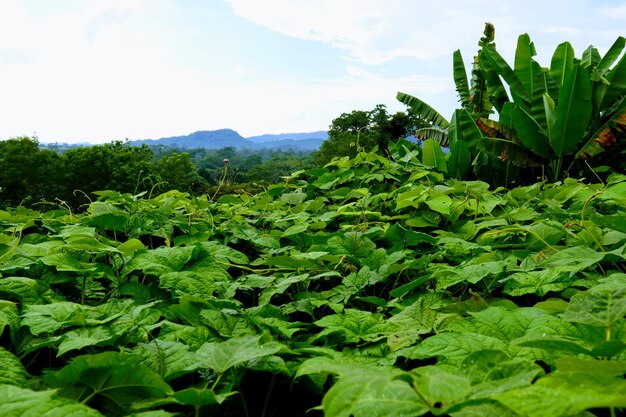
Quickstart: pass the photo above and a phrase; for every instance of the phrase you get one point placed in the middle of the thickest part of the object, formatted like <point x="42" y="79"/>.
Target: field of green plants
<point x="371" y="287"/>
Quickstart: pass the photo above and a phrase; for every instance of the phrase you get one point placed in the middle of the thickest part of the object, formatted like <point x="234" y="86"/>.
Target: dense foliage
<point x="553" y="122"/>
<point x="32" y="175"/>
<point x="369" y="287"/>
<point x="359" y="130"/>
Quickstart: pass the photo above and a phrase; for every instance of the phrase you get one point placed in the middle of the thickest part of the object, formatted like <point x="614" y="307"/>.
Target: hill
<point x="222" y="138"/>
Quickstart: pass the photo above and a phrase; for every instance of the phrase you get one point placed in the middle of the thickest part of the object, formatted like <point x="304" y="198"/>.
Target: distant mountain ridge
<point x="222" y="138"/>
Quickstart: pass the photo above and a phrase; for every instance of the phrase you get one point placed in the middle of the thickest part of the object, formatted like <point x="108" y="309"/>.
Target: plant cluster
<point x="370" y="287"/>
<point x="553" y="122"/>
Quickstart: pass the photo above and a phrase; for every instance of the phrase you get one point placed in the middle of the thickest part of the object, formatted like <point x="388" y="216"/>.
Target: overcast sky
<point x="102" y="70"/>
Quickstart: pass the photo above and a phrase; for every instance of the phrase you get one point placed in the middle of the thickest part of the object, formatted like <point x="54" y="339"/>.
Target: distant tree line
<point x="31" y="174"/>
<point x="34" y="175"/>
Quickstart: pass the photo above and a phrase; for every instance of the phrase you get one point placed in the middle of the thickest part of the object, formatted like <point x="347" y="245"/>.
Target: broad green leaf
<point x="572" y="259"/>
<point x="11" y="369"/>
<point x="609" y="58"/>
<point x="539" y="282"/>
<point x="463" y="128"/>
<point x="459" y="161"/>
<point x="221" y="356"/>
<point x="573" y="112"/>
<point x="617" y="80"/>
<point x="608" y="134"/>
<point x="440" y="387"/>
<point x="372" y="394"/>
<point x="131" y="246"/>
<point x="492" y="371"/>
<point x="531" y="134"/>
<point x="562" y="62"/>
<point x="161" y="260"/>
<point x="503" y="69"/>
<point x="600" y="306"/>
<point x="591" y="57"/>
<point x="423" y="110"/>
<point x="578" y="365"/>
<point x="433" y="156"/>
<point x="109" y="378"/>
<point x="525" y="67"/>
<point x="460" y="78"/>
<point x="565" y="394"/>
<point x="355" y="326"/>
<point x="203" y="284"/>
<point x="168" y="359"/>
<point x="295" y="229"/>
<point x="22" y="402"/>
<point x="67" y="262"/>
<point x="28" y="290"/>
<point x="438" y="202"/>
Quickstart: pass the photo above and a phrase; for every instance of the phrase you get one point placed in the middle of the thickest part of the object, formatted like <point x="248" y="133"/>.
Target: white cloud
<point x="370" y="31"/>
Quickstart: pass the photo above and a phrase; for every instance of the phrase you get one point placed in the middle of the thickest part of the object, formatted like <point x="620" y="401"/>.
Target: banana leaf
<point x="562" y="63"/>
<point x="573" y="112"/>
<point x="495" y="89"/>
<point x="617" y="84"/>
<point x="423" y="110"/>
<point x="460" y="78"/>
<point x="503" y="143"/>
<point x="530" y="133"/>
<point x="591" y="58"/>
<point x="459" y="160"/>
<point x="463" y="128"/>
<point x="506" y="72"/>
<point x="612" y="131"/>
<point x="609" y="58"/>
<point x="526" y="68"/>
<point x="433" y="156"/>
<point x="438" y="135"/>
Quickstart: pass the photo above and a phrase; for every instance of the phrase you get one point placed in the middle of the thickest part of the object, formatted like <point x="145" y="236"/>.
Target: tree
<point x="114" y="166"/>
<point x="359" y="129"/>
<point x="28" y="174"/>
<point x="176" y="171"/>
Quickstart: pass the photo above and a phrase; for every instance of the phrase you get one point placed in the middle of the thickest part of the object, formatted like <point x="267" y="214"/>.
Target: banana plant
<point x="566" y="113"/>
<point x="555" y="117"/>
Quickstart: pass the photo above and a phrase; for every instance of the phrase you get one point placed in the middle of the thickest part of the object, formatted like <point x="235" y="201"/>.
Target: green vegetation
<point x="33" y="176"/>
<point x="365" y="130"/>
<point x="369" y="287"/>
<point x="394" y="281"/>
<point x="555" y="124"/>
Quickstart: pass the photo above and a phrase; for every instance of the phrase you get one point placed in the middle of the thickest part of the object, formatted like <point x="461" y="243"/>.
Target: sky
<point x="102" y="70"/>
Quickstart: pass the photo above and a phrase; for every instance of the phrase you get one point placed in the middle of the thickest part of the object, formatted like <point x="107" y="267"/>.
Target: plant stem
<point x="268" y="396"/>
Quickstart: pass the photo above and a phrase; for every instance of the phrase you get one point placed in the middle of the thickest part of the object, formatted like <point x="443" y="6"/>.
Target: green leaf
<point x="600" y="306"/>
<point x="295" y="229"/>
<point x="161" y="260"/>
<point x="109" y="378"/>
<point x="459" y="161"/>
<point x="433" y="156"/>
<point x="439" y="386"/>
<point x="578" y="365"/>
<point x="504" y="70"/>
<point x="354" y="325"/>
<point x="573" y="112"/>
<point x="27" y="290"/>
<point x="566" y="394"/>
<point x="221" y="356"/>
<point x="372" y="394"/>
<point x="67" y="262"/>
<point x="460" y="78"/>
<point x="423" y="110"/>
<point x="562" y="62"/>
<point x="531" y="134"/>
<point x="22" y="402"/>
<point x="526" y="68"/>
<point x="11" y="369"/>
